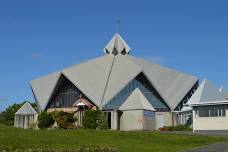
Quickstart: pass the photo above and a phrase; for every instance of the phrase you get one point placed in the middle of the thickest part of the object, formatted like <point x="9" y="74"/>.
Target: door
<point x="159" y="121"/>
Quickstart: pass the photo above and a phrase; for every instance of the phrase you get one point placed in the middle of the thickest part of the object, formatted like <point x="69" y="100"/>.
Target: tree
<point x="102" y="122"/>
<point x="90" y="119"/>
<point x="94" y="119"/>
<point x="45" y="120"/>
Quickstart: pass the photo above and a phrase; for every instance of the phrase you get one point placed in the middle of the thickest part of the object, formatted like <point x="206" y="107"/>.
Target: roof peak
<point x="136" y="101"/>
<point x="117" y="45"/>
<point x="206" y="92"/>
<point x="26" y="109"/>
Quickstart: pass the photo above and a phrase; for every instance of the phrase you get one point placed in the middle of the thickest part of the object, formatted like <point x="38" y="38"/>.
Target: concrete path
<point x="219" y="147"/>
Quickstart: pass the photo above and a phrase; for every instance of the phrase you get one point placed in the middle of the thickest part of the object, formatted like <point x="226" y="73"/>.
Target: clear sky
<point x="39" y="37"/>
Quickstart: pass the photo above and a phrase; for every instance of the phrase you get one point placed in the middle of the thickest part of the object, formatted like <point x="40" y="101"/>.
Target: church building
<point x="134" y="93"/>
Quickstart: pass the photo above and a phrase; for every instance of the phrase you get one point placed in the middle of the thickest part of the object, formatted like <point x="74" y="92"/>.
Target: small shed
<point x="25" y="116"/>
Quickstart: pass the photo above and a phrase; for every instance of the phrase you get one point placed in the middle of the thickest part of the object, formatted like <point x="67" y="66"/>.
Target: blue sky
<point x="39" y="37"/>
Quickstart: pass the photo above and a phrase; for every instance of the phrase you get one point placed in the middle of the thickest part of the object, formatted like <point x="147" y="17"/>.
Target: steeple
<point x="117" y="46"/>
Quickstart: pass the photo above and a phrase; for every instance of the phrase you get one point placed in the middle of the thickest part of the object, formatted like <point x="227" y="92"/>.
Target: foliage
<point x="176" y="128"/>
<point x="90" y="118"/>
<point x="102" y="122"/>
<point x="64" y="119"/>
<point x="7" y="116"/>
<point x="22" y="140"/>
<point x="45" y="120"/>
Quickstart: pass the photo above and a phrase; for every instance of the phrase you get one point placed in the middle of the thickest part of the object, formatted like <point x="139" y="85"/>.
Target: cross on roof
<point x="117" y="22"/>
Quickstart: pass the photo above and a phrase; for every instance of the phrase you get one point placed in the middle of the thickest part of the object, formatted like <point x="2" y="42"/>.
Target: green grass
<point x="13" y="138"/>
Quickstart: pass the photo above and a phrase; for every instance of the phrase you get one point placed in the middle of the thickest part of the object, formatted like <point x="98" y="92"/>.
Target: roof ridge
<point x="107" y="81"/>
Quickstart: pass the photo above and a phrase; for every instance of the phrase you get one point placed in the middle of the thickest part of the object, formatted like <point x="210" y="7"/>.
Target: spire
<point x="117" y="46"/>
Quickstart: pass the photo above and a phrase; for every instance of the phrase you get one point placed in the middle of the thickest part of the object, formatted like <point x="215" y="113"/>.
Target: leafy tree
<point x="94" y="119"/>
<point x="45" y="120"/>
<point x="7" y="116"/>
<point x="90" y="119"/>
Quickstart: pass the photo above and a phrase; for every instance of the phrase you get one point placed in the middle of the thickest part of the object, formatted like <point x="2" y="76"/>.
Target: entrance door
<point x="159" y="121"/>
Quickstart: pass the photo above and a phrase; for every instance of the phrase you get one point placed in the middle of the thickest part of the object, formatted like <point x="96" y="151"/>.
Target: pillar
<point x="114" y="120"/>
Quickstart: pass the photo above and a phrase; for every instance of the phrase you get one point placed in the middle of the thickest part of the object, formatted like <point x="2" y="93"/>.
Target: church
<point x="134" y="94"/>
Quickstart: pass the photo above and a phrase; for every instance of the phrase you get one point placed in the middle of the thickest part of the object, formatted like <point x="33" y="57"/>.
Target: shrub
<point x="64" y="119"/>
<point x="102" y="122"/>
<point x="90" y="118"/>
<point x="176" y="128"/>
<point x="45" y="120"/>
<point x="94" y="119"/>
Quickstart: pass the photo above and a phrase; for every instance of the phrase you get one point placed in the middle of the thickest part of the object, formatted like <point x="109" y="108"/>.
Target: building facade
<point x="134" y="93"/>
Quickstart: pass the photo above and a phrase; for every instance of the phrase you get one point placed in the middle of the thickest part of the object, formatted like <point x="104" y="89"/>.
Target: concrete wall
<point x="210" y="123"/>
<point x="131" y="120"/>
<point x="136" y="120"/>
<point x="168" y="120"/>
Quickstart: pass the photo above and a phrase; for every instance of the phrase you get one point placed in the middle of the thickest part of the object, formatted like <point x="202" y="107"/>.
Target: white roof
<point x="172" y="85"/>
<point x="223" y="91"/>
<point x="136" y="101"/>
<point x="117" y="45"/>
<point x="205" y="93"/>
<point x="223" y="102"/>
<point x="43" y="87"/>
<point x="122" y="72"/>
<point x="102" y="78"/>
<point x="186" y="108"/>
<point x="91" y="77"/>
<point x="26" y="109"/>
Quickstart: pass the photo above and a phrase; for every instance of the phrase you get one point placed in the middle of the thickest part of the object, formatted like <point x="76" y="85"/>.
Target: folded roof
<point x="102" y="78"/>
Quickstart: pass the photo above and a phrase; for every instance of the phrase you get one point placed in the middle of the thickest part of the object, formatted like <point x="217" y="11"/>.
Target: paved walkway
<point x="219" y="147"/>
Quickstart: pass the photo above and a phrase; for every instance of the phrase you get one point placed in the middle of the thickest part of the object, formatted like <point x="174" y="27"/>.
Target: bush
<point x="176" y="128"/>
<point x="102" y="122"/>
<point x="45" y="120"/>
<point x="94" y="119"/>
<point x="64" y="119"/>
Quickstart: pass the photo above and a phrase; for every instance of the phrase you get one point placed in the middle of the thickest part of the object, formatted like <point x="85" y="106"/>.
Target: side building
<point x="209" y="108"/>
<point x="134" y="93"/>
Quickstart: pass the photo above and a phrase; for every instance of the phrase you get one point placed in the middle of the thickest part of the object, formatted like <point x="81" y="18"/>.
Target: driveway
<point x="219" y="147"/>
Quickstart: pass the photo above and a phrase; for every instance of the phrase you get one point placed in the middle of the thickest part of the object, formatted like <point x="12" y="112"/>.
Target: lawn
<point x="13" y="138"/>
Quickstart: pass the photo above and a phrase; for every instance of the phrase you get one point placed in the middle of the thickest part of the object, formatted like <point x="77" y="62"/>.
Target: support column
<point x="114" y="118"/>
